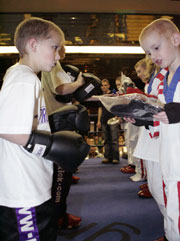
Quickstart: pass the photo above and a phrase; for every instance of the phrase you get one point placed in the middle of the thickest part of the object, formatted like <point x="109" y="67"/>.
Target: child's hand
<point x="80" y="79"/>
<point x="161" y="116"/>
<point x="128" y="119"/>
<point x="98" y="124"/>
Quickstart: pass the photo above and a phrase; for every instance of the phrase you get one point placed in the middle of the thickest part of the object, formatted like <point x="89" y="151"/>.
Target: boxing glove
<point x="70" y="117"/>
<point x="65" y="148"/>
<point x="91" y="87"/>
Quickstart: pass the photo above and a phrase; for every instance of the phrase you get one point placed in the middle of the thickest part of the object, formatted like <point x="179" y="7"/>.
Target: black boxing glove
<point x="70" y="117"/>
<point x="91" y="87"/>
<point x="65" y="148"/>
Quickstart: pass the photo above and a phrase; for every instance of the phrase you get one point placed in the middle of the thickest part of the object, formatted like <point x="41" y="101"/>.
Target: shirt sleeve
<point x="59" y="77"/>
<point x="17" y="108"/>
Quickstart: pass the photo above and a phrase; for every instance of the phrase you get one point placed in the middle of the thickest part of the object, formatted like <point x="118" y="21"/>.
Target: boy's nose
<point x="153" y="57"/>
<point x="57" y="56"/>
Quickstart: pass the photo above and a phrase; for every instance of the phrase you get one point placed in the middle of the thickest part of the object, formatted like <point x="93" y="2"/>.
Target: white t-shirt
<point x="50" y="81"/>
<point x="26" y="179"/>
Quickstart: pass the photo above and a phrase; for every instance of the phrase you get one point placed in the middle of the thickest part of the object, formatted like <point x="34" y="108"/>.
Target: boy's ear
<point x="32" y="43"/>
<point x="175" y="38"/>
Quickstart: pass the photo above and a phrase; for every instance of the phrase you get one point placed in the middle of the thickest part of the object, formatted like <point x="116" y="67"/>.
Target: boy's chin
<point x="48" y="69"/>
<point x="163" y="66"/>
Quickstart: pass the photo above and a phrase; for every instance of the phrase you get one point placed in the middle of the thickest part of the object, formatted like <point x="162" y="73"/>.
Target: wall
<point x="125" y="6"/>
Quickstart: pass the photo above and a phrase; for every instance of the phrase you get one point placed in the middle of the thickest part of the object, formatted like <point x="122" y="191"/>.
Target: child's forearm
<point x="19" y="139"/>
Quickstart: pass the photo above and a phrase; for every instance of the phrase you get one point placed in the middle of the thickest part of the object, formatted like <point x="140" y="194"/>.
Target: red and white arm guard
<point x="131" y="90"/>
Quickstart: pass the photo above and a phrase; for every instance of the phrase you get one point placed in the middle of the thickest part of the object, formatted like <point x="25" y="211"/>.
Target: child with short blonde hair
<point x="161" y="42"/>
<point x="27" y="211"/>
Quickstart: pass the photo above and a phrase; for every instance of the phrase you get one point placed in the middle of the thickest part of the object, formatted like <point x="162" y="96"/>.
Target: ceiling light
<point x="104" y="49"/>
<point x="86" y="50"/>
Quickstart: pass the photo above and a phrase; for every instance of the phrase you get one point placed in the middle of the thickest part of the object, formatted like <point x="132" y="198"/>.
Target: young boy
<point x="160" y="40"/>
<point x="26" y="179"/>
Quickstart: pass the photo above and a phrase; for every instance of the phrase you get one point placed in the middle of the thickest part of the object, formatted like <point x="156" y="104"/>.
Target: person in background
<point x="110" y="131"/>
<point x="58" y="82"/>
<point x="94" y="152"/>
<point x="130" y="168"/>
<point x="26" y="178"/>
<point x="119" y="84"/>
<point x="135" y="165"/>
<point x="146" y="70"/>
<point x="142" y="67"/>
<point x="147" y="148"/>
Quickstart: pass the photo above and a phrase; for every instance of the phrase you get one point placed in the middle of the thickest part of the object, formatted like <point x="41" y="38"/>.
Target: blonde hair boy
<point x="26" y="178"/>
<point x="37" y="28"/>
<point x="161" y="40"/>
